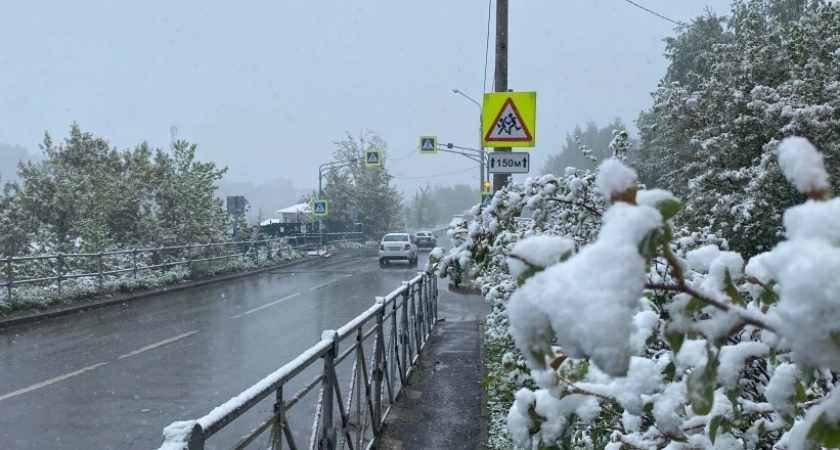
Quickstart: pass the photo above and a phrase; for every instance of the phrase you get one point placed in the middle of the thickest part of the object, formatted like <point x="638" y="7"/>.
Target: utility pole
<point x="501" y="74"/>
<point x="481" y="164"/>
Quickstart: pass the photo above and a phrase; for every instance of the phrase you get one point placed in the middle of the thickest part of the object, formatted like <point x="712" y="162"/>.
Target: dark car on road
<point x="425" y="239"/>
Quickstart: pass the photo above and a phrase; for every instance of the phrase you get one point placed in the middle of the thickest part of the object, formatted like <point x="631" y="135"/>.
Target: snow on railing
<point x="398" y="325"/>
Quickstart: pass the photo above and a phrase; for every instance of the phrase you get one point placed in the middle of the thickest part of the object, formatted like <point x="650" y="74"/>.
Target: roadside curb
<point x="95" y="303"/>
<point x="484" y="415"/>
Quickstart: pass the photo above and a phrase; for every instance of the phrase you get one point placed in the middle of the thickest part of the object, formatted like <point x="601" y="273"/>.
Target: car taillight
<point x="381" y="246"/>
<point x="407" y="247"/>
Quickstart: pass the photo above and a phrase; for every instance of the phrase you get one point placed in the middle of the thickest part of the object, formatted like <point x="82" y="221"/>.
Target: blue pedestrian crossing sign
<point x="486" y="198"/>
<point x="320" y="208"/>
<point x="428" y="145"/>
<point x="373" y="158"/>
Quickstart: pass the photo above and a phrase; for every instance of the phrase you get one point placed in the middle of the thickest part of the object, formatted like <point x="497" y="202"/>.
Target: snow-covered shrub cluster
<point x="642" y="336"/>
<point x="568" y="205"/>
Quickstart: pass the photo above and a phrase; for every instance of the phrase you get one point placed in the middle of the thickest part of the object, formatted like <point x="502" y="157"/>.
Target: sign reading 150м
<point x="508" y="162"/>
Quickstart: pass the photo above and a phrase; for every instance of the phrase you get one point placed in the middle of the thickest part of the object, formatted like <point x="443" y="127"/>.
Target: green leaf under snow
<point x="675" y="340"/>
<point x="800" y="396"/>
<point x="649" y="246"/>
<point x="825" y="432"/>
<point x="731" y="290"/>
<point x="769" y="296"/>
<point x="713" y="427"/>
<point x="669" y="208"/>
<point x="670" y="371"/>
<point x="694" y="305"/>
<point x="566" y="255"/>
<point x="528" y="273"/>
<point x="701" y="387"/>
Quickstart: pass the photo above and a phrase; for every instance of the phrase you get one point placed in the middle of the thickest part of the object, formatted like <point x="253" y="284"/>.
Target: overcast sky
<point x="265" y="87"/>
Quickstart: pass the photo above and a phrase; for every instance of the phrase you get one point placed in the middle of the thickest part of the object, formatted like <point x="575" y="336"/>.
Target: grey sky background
<point x="265" y="87"/>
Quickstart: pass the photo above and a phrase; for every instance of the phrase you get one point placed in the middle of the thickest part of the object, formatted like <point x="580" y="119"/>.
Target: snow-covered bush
<point x="566" y="205"/>
<point x="643" y="336"/>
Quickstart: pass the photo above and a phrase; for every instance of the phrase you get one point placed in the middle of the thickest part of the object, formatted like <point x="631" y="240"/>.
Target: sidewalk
<point x="443" y="406"/>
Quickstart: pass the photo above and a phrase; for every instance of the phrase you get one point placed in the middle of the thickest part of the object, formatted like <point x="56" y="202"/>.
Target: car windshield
<point x="395" y="238"/>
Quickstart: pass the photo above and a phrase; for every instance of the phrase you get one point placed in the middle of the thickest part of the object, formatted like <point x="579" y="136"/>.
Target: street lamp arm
<point x="460" y="92"/>
<point x="474" y="158"/>
<point x="475" y="150"/>
<point x="330" y="167"/>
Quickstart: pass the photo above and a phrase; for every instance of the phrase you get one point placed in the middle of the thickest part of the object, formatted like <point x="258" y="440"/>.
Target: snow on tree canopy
<point x="803" y="165"/>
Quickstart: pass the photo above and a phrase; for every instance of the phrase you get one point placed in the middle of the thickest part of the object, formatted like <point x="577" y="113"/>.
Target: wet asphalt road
<point x="115" y="377"/>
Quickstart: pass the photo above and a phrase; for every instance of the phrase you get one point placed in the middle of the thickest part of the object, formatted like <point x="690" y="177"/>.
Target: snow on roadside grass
<point x="32" y="296"/>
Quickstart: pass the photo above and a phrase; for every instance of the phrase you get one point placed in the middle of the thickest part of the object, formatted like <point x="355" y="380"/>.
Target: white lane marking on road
<point x="266" y="305"/>
<point x="158" y="344"/>
<point x="49" y="382"/>
<point x="329" y="282"/>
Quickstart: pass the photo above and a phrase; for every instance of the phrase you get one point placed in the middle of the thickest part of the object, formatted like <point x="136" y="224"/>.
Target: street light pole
<point x="480" y="137"/>
<point x="332" y="165"/>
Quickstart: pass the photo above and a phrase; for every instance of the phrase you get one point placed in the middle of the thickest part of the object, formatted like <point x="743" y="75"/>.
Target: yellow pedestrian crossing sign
<point x="373" y="158"/>
<point x="320" y="208"/>
<point x="428" y="145"/>
<point x="509" y="119"/>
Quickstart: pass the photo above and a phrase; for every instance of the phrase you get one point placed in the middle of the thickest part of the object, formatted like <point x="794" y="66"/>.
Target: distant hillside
<point x="10" y="156"/>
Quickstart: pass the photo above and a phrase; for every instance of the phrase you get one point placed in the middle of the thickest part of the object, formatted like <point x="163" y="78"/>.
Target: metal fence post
<point x="189" y="255"/>
<point x="422" y="308"/>
<point x="9" y="277"/>
<point x="328" y="432"/>
<point x="280" y="409"/>
<point x="134" y="261"/>
<point x="59" y="262"/>
<point x="380" y="359"/>
<point x="405" y="355"/>
<point x="99" y="264"/>
<point x="196" y="441"/>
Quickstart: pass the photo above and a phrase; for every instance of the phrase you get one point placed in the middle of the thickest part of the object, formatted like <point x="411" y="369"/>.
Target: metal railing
<point x="46" y="270"/>
<point x="396" y="327"/>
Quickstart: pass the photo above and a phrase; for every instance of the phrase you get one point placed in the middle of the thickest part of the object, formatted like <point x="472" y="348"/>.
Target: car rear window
<point x="395" y="237"/>
<point x="422" y="234"/>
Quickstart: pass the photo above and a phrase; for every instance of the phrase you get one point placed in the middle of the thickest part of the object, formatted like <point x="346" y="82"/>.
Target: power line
<point x="411" y="153"/>
<point x="435" y="176"/>
<point x="652" y="12"/>
<point x="487" y="42"/>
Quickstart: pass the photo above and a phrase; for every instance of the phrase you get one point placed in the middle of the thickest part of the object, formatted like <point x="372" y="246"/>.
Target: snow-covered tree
<point x="730" y="96"/>
<point x="594" y="138"/>
<point x="423" y="210"/>
<point x="83" y="195"/>
<point x="378" y="201"/>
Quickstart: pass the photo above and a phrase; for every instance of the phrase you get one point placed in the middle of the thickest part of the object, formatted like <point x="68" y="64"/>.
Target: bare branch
<point x="583" y="205"/>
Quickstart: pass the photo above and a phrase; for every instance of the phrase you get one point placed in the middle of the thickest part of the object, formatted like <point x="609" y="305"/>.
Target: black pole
<point x="501" y="76"/>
